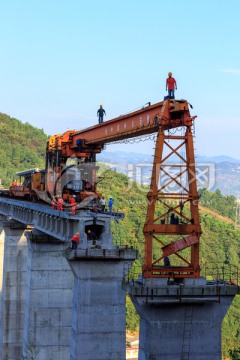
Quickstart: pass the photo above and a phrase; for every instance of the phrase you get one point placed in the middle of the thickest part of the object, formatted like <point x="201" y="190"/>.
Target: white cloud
<point x="231" y="71"/>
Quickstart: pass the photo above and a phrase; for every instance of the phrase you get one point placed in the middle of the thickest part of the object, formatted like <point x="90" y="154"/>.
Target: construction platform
<point x="158" y="291"/>
<point x="117" y="254"/>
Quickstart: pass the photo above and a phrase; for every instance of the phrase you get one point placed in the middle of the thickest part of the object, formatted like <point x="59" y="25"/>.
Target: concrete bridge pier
<point x="182" y="332"/>
<point x="13" y="262"/>
<point x="2" y="237"/>
<point x="99" y="310"/>
<point x="99" y="303"/>
<point x="49" y="288"/>
<point x="181" y="322"/>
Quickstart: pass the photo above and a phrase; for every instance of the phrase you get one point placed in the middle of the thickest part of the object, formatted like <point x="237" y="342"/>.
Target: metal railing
<point x="217" y="274"/>
<point x="222" y="273"/>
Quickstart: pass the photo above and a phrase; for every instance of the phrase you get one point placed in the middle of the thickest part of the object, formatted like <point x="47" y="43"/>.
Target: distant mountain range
<point x="214" y="172"/>
<point x="133" y="157"/>
<point x="217" y="159"/>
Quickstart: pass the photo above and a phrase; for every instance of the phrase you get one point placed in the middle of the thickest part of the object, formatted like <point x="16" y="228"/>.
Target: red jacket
<point x="76" y="238"/>
<point x="73" y="202"/>
<point x="60" y="204"/>
<point x="170" y="83"/>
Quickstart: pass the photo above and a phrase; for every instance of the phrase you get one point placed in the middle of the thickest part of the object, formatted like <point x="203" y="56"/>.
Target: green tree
<point x="22" y="147"/>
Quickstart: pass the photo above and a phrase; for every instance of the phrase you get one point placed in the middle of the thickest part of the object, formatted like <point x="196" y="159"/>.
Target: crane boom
<point x="169" y="113"/>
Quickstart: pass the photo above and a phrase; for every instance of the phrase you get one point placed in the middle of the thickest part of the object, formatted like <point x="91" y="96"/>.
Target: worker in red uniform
<point x="75" y="241"/>
<point x="54" y="203"/>
<point x="60" y="203"/>
<point x="73" y="204"/>
<point x="171" y="85"/>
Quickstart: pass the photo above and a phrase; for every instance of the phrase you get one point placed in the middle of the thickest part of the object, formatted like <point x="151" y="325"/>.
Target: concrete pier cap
<point x="100" y="225"/>
<point x="155" y="282"/>
<point x="100" y="246"/>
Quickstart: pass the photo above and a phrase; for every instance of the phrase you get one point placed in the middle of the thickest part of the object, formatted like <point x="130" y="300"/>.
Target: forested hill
<point x="22" y="147"/>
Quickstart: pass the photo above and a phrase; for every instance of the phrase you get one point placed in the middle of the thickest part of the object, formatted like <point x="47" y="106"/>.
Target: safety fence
<point x="218" y="274"/>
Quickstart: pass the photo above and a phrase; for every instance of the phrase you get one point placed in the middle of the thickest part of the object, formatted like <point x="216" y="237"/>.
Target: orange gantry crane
<point x="172" y="222"/>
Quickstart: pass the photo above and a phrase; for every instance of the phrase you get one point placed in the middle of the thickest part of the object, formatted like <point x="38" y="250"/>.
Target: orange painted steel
<point x="158" y="118"/>
<point x="156" y="226"/>
<point x="179" y="245"/>
<point x="169" y="114"/>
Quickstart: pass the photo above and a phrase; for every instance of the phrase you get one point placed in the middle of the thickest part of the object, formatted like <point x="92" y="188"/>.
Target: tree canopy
<point x="22" y="147"/>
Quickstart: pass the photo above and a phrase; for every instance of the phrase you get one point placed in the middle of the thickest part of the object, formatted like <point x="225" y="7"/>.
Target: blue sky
<point x="61" y="59"/>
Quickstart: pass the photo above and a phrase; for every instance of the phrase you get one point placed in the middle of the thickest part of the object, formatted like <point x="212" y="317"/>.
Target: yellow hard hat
<point x="170" y="74"/>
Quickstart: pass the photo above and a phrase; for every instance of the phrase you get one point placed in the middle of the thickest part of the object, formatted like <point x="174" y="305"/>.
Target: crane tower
<point x="172" y="210"/>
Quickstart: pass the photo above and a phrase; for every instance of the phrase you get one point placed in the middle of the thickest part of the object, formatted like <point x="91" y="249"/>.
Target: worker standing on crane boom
<point x="100" y="113"/>
<point x="171" y="85"/>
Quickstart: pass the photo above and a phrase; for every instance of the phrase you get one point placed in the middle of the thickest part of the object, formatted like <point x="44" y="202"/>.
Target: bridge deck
<point x="61" y="225"/>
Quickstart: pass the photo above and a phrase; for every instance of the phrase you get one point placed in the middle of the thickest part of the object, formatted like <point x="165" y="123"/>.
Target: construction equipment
<point x="172" y="209"/>
<point x="163" y="118"/>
